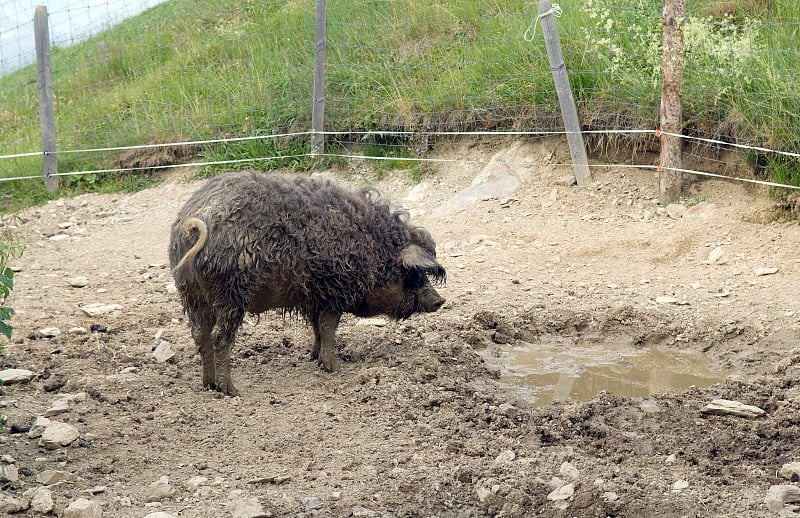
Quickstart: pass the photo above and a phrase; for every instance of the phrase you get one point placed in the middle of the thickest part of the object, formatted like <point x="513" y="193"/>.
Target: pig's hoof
<point x="329" y="366"/>
<point x="226" y="387"/>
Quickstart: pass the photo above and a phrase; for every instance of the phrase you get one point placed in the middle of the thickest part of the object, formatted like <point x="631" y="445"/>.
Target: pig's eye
<point x="414" y="279"/>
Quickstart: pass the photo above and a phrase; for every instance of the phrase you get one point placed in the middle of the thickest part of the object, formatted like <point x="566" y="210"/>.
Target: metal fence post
<point x="47" y="121"/>
<point x="577" y="148"/>
<point x="320" y="52"/>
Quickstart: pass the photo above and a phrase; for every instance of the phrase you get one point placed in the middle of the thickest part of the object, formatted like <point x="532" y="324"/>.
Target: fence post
<point x="569" y="113"/>
<point x="47" y="121"/>
<point x="671" y="113"/>
<point x="320" y="52"/>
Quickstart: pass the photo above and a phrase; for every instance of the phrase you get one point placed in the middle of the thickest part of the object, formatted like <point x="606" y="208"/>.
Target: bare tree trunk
<point x="671" y="114"/>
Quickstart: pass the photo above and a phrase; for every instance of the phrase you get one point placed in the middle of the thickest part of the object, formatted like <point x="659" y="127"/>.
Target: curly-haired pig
<point x="249" y="242"/>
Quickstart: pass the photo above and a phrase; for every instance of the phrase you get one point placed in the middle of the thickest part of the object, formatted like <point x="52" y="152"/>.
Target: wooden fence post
<point x="671" y="113"/>
<point x="47" y="121"/>
<point x="577" y="148"/>
<point x="320" y="53"/>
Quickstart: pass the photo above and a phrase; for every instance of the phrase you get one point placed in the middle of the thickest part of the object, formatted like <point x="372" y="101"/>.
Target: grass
<point x="196" y="70"/>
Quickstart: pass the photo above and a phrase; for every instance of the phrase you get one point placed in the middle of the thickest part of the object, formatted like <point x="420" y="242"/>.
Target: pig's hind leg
<point x="223" y="336"/>
<point x="201" y="320"/>
<point x="324" y="326"/>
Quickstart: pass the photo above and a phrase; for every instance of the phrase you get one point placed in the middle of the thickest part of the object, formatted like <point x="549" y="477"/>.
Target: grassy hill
<point x="196" y="70"/>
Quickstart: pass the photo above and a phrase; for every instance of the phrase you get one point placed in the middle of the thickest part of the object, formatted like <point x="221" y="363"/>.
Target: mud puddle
<point x="544" y="373"/>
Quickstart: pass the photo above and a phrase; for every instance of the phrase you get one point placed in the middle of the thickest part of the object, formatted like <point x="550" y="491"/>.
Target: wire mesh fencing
<point x="231" y="80"/>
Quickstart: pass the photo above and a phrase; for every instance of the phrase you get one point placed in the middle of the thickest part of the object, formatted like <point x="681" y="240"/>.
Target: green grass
<point x="198" y="70"/>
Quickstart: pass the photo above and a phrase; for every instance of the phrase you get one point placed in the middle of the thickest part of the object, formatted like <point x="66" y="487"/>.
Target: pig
<point x="248" y="242"/>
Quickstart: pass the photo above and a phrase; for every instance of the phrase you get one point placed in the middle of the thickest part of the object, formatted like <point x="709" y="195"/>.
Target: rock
<point x="505" y="457"/>
<point x="49" y="332"/>
<point x="98" y="308"/>
<point x="250" y="508"/>
<point x="363" y="512"/>
<point x="159" y="490"/>
<point x="161" y="514"/>
<point x="609" y="496"/>
<point x="163" y="351"/>
<point x="568" y="471"/>
<point x="675" y="210"/>
<point x="505" y="173"/>
<point x="41" y="500"/>
<point x="9" y="376"/>
<point x="58" y="435"/>
<point x="680" y="485"/>
<point x="78" y="282"/>
<point x="310" y="503"/>
<point x="10" y="505"/>
<point x="760" y="272"/>
<point x="196" y="481"/>
<point x="564" y="492"/>
<point x="38" y="427"/>
<point x="59" y="407"/>
<point x="8" y="473"/>
<point x="83" y="508"/>
<point x="736" y="408"/>
<point x="649" y="406"/>
<point x="716" y="256"/>
<point x="778" y="496"/>
<point x="671" y="460"/>
<point x="50" y="477"/>
<point x="376" y="322"/>
<point x="790" y="471"/>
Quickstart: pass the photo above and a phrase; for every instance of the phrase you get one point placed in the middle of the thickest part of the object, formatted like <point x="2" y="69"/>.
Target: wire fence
<point x="175" y="83"/>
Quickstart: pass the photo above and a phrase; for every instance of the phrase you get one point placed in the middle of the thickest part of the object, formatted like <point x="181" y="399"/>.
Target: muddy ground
<point x="417" y="421"/>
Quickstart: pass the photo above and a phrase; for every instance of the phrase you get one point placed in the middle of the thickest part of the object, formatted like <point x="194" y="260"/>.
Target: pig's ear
<point x="413" y="257"/>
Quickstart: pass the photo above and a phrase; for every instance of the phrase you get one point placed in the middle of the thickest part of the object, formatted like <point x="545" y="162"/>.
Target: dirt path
<point x="416" y="423"/>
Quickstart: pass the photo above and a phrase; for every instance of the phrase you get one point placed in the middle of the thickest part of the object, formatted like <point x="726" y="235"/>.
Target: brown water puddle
<point x="546" y="373"/>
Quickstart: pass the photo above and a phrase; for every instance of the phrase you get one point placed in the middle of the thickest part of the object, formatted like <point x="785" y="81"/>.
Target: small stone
<point x="9" y="376"/>
<point x="55" y="382"/>
<point x="159" y="490"/>
<point x="735" y="408"/>
<point x="649" y="406"/>
<point x="680" y="485"/>
<point x="505" y="457"/>
<point x="196" y="481"/>
<point x="666" y="299"/>
<point x="363" y="512"/>
<point x="83" y="508"/>
<point x="10" y="505"/>
<point x="38" y="427"/>
<point x="9" y="473"/>
<point x="50" y="477"/>
<point x="98" y="308"/>
<point x="58" y="435"/>
<point x="790" y="471"/>
<point x="671" y="460"/>
<point x="41" y="500"/>
<point x="675" y="210"/>
<point x="78" y="282"/>
<point x="163" y="351"/>
<point x="568" y="471"/>
<point x="760" y="272"/>
<point x="564" y="492"/>
<point x="59" y="407"/>
<point x="311" y="503"/>
<point x="249" y="508"/>
<point x="609" y="496"/>
<point x="78" y="331"/>
<point x="716" y="256"/>
<point x="778" y="496"/>
<point x="375" y="322"/>
<point x="161" y="514"/>
<point x="49" y="332"/>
